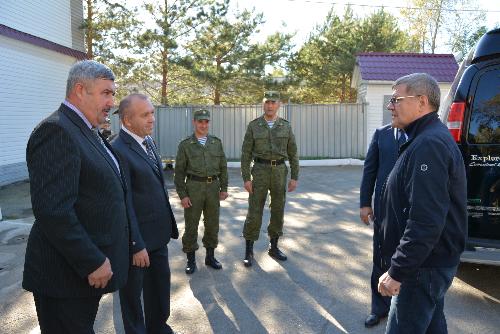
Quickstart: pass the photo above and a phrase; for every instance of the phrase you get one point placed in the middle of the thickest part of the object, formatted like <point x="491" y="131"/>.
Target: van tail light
<point x="456" y="120"/>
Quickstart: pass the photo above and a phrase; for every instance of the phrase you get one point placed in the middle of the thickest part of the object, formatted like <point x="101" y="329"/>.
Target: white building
<point x="375" y="73"/>
<point x="39" y="41"/>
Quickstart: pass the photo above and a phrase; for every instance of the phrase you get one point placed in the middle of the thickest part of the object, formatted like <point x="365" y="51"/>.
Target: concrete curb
<point x="315" y="163"/>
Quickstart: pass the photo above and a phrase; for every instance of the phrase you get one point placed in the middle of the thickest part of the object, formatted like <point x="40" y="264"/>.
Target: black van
<point x="472" y="112"/>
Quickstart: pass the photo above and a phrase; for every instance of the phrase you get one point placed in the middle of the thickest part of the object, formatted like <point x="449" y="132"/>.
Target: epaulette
<point x="187" y="139"/>
<point x="214" y="137"/>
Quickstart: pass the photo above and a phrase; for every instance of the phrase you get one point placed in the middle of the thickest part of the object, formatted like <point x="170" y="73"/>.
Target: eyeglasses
<point x="396" y="100"/>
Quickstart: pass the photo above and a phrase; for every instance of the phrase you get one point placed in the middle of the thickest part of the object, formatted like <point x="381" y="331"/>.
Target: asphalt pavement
<point x="322" y="288"/>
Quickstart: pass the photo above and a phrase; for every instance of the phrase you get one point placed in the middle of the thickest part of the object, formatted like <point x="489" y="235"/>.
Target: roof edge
<point x="403" y="54"/>
<point x="40" y="42"/>
<point x="385" y="82"/>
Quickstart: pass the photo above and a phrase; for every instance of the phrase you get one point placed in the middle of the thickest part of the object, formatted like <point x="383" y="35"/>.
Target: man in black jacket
<point x="380" y="158"/>
<point x="425" y="220"/>
<point x="152" y="221"/>
<point x="78" y="248"/>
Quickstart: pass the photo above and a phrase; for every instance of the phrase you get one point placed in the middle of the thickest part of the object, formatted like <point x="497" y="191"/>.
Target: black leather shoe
<point x="372" y="320"/>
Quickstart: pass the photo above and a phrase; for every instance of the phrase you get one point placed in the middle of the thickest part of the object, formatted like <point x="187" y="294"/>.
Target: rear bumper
<point x="489" y="256"/>
<point x="484" y="243"/>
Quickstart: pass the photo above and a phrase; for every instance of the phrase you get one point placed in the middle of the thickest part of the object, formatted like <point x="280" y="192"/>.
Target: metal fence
<point x="321" y="130"/>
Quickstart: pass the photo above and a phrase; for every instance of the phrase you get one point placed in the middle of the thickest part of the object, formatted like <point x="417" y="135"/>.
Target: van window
<point x="485" y="116"/>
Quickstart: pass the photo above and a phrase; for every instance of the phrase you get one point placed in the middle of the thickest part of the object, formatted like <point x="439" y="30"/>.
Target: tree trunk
<point x="164" y="62"/>
<point x="436" y="27"/>
<point x="217" y="83"/>
<point x="164" y="78"/>
<point x="217" y="97"/>
<point x="90" y="32"/>
<point x="342" y="88"/>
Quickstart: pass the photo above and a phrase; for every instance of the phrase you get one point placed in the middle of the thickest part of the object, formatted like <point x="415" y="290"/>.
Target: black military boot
<point x="191" y="263"/>
<point x="248" y="253"/>
<point x="210" y="259"/>
<point x="275" y="252"/>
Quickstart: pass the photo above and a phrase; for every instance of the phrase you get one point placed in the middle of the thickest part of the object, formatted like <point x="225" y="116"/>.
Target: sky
<point x="301" y="16"/>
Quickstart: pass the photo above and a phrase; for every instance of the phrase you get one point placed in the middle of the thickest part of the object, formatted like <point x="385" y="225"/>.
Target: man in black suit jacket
<point x="380" y="159"/>
<point x="78" y="248"/>
<point x="152" y="223"/>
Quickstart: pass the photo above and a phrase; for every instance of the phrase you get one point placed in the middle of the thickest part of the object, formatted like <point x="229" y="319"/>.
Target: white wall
<point x="375" y="92"/>
<point x="50" y="20"/>
<point x="32" y="85"/>
<point x="375" y="98"/>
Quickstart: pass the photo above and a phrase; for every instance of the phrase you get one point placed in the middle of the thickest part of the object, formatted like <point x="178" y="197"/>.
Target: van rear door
<point x="481" y="153"/>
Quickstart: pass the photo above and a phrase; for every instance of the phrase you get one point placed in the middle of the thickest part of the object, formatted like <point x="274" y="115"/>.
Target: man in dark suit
<point x="78" y="248"/>
<point x="152" y="222"/>
<point x="381" y="157"/>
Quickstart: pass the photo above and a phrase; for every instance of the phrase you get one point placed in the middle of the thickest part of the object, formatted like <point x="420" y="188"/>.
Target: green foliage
<point x="429" y="20"/>
<point x="176" y="21"/>
<point x="321" y="71"/>
<point x="462" y="41"/>
<point x="223" y="57"/>
<point x="108" y="26"/>
<point x="111" y="30"/>
<point x="198" y="51"/>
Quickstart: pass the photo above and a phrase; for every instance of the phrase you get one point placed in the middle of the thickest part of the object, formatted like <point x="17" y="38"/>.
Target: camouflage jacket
<point x="196" y="159"/>
<point x="271" y="144"/>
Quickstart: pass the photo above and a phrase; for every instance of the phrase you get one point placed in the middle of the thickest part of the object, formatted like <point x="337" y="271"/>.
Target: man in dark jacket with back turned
<point x="380" y="158"/>
<point x="425" y="217"/>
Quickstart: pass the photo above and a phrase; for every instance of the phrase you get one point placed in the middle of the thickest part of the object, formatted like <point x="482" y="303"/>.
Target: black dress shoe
<point x="372" y="320"/>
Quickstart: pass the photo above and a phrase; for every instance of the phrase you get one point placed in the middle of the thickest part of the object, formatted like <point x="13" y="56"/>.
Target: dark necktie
<point x="95" y="131"/>
<point x="401" y="138"/>
<point x="151" y="155"/>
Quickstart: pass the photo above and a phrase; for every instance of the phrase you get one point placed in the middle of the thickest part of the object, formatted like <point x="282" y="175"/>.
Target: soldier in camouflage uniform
<point x="269" y="141"/>
<point x="201" y="182"/>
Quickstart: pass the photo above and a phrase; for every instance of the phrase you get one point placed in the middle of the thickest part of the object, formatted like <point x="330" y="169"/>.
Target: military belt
<point x="207" y="179"/>
<point x="269" y="162"/>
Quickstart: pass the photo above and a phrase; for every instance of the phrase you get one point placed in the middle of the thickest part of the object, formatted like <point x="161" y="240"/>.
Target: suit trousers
<point x="154" y="284"/>
<point x="380" y="304"/>
<point x="66" y="315"/>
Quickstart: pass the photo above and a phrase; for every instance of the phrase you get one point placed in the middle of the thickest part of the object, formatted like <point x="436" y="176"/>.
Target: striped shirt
<point x="271" y="123"/>
<point x="202" y="140"/>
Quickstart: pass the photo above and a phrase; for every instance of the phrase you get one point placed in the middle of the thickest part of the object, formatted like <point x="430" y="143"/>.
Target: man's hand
<point x="141" y="258"/>
<point x="248" y="186"/>
<point x="387" y="286"/>
<point x="100" y="277"/>
<point x="366" y="214"/>
<point x="223" y="195"/>
<point x="186" y="202"/>
<point x="292" y="185"/>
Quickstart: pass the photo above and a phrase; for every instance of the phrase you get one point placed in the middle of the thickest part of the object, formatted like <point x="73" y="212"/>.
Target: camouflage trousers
<point x="266" y="179"/>
<point x="204" y="199"/>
